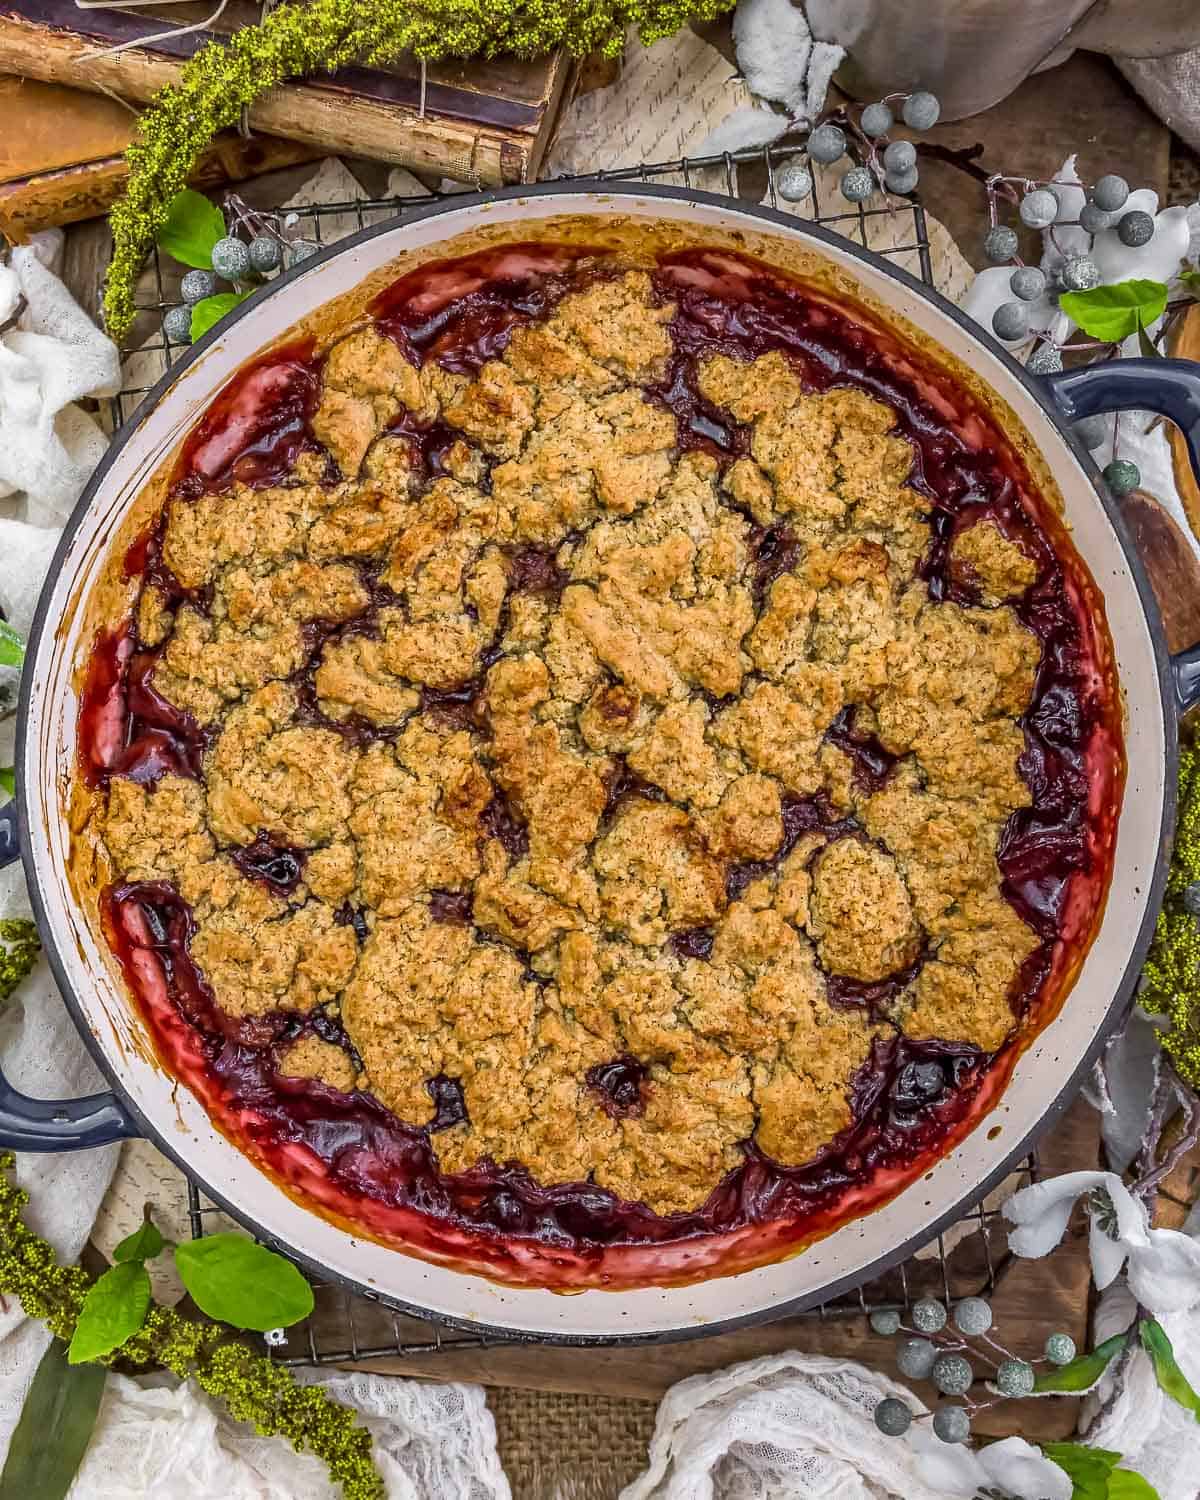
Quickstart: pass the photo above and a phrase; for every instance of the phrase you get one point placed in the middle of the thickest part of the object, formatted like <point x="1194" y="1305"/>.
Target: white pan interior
<point x="846" y="1255"/>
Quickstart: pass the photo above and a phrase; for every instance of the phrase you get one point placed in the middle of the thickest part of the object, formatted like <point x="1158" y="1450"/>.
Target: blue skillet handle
<point x="1170" y="387"/>
<point x="53" y="1124"/>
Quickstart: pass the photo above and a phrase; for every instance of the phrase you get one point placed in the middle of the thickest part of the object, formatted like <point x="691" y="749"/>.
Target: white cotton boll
<point x="1020" y="1470"/>
<point x="1158" y="260"/>
<point x="745" y="127"/>
<point x="1070" y="238"/>
<point x="773" y="43"/>
<point x="822" y="64"/>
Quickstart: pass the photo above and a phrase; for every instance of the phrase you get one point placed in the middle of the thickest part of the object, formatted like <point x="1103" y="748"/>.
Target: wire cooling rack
<point x="969" y="1258"/>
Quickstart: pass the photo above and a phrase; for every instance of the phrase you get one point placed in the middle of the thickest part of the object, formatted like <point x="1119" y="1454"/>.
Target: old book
<point x="480" y="122"/>
<point x="61" y="155"/>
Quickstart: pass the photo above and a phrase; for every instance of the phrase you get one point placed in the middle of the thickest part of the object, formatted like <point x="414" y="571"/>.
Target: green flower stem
<point x="296" y="40"/>
<point x="254" y="1389"/>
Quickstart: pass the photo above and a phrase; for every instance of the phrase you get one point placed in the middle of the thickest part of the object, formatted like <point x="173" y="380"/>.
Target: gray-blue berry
<point x="1028" y="283"/>
<point x="1060" y="1348"/>
<point x="914" y="1358"/>
<point x="858" y="184"/>
<point x="177" y="325"/>
<point x="1000" y="243"/>
<point x="1015" y="1378"/>
<point x="921" y="110"/>
<point x="1010" y="321"/>
<point x="901" y="183"/>
<point x="1135" y="228"/>
<point x="1121" y="476"/>
<point x="1110" y="193"/>
<point x="827" y="144"/>
<point x="885" y="1320"/>
<point x="973" y="1316"/>
<point x="197" y="285"/>
<point x="877" y="120"/>
<point x="952" y="1424"/>
<point x="230" y="258"/>
<point x="952" y="1374"/>
<point x="1093" y="218"/>
<point x="1080" y="273"/>
<point x="900" y="156"/>
<point x="300" y="250"/>
<point x="265" y="253"/>
<point x="893" y="1417"/>
<point x="1092" y="431"/>
<point x="1039" y="208"/>
<point x="1046" y="359"/>
<point x="794" y="182"/>
<point x="929" y="1315"/>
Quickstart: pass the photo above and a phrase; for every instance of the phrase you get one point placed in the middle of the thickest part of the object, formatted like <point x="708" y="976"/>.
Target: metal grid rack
<point x="970" y="1257"/>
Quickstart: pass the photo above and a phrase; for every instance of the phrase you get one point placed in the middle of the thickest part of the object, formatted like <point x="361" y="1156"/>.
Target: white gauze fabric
<point x="158" y="1440"/>
<point x="800" y="1427"/>
<point x="52" y="358"/>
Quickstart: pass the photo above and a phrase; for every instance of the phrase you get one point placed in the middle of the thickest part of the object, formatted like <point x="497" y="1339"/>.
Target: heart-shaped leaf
<point x="1170" y="1377"/>
<point x="210" y="310"/>
<point x="8" y="780"/>
<point x="12" y="647"/>
<point x="143" y="1244"/>
<point x="193" y="226"/>
<point x="1082" y="1373"/>
<point x="114" y="1308"/>
<point x="236" y="1281"/>
<point x="1114" y="312"/>
<point x="54" y="1428"/>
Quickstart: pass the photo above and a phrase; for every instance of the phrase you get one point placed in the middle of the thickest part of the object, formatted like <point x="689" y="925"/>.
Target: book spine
<point x="332" y="122"/>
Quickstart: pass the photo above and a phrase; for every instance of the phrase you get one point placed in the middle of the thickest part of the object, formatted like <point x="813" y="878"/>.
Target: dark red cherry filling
<point x="910" y="1098"/>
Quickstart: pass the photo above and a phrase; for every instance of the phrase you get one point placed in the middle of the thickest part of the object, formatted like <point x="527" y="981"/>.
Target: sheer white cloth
<point x="800" y="1427"/>
<point x="157" y="1440"/>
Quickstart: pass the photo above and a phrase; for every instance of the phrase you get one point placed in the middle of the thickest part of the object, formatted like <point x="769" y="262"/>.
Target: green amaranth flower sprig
<point x="297" y="40"/>
<point x="1171" y="976"/>
<point x="19" y="948"/>
<point x="254" y="1389"/>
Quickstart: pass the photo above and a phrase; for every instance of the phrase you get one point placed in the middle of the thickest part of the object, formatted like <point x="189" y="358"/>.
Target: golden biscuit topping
<point x="586" y="748"/>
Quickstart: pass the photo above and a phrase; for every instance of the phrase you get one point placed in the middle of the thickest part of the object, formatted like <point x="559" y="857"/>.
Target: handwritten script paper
<point x="669" y="98"/>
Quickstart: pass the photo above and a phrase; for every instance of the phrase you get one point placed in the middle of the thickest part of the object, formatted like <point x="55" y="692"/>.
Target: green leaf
<point x="12" y="647"/>
<point x="1114" y="312"/>
<point x="143" y="1244"/>
<point x="1191" y="280"/>
<point x="8" y="780"/>
<point x="1170" y="1377"/>
<point x="1124" y="1484"/>
<point x="114" y="1308"/>
<point x="210" y="310"/>
<point x="1087" y="1468"/>
<point x="1146" y="345"/>
<point x="54" y="1428"/>
<point x="193" y="226"/>
<point x="236" y="1281"/>
<point x="1082" y="1373"/>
